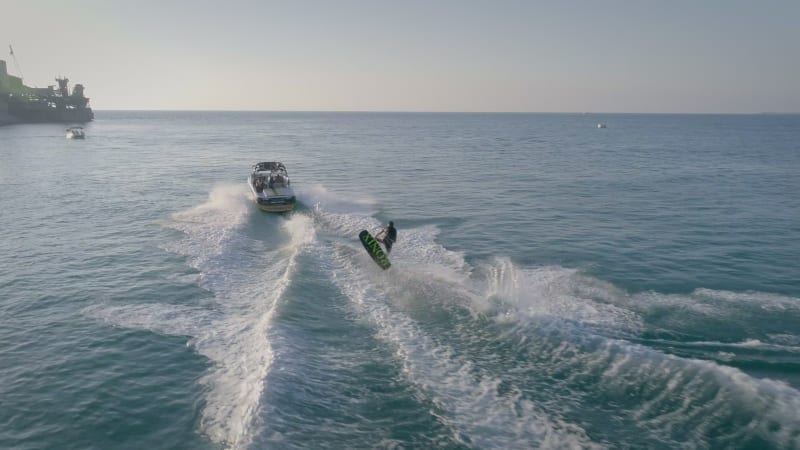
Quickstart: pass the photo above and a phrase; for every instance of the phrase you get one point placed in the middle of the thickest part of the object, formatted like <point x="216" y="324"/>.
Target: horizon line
<point x="447" y="112"/>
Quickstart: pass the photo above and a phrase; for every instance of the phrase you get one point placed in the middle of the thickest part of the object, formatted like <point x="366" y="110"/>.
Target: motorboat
<point x="601" y="125"/>
<point x="271" y="187"/>
<point x="75" y="133"/>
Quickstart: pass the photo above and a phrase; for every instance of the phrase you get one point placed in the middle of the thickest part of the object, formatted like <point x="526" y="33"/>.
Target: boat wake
<point x="234" y="249"/>
<point x="508" y="356"/>
<point x="472" y="402"/>
<point x="585" y="336"/>
<point x="516" y="357"/>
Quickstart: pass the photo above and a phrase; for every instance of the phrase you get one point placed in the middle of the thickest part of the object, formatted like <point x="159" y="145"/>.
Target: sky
<point x="647" y="56"/>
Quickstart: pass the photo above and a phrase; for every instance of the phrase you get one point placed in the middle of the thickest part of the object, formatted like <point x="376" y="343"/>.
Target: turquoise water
<point x="554" y="285"/>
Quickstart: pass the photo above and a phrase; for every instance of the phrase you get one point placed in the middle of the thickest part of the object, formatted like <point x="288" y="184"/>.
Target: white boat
<point x="75" y="133"/>
<point x="271" y="187"/>
<point x="601" y="125"/>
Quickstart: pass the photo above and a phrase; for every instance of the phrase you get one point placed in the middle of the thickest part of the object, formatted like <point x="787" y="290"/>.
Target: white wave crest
<point x="557" y="292"/>
<point x="672" y="392"/>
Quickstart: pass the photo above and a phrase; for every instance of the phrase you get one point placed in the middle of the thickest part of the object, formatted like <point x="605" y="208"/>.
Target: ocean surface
<point x="554" y="285"/>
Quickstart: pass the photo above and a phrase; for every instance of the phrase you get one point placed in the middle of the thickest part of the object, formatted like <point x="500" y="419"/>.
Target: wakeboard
<point x="374" y="249"/>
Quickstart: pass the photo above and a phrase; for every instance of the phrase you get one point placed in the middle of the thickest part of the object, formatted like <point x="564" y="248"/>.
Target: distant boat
<point x="601" y="125"/>
<point x="75" y="133"/>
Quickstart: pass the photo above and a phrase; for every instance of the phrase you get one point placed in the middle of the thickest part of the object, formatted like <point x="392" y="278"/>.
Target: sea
<point x="554" y="285"/>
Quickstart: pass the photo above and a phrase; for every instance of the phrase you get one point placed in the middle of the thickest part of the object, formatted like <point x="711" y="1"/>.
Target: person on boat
<point x="260" y="185"/>
<point x="388" y="236"/>
<point x="271" y="182"/>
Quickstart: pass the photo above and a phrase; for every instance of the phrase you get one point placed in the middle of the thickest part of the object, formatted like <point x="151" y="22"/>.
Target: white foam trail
<point x="765" y="301"/>
<point x="469" y="400"/>
<point x="248" y="278"/>
<point x="420" y="251"/>
<point x="301" y="232"/>
<point x="680" y="394"/>
<point x="573" y="323"/>
<point x="785" y="339"/>
<point x="730" y="306"/>
<point x="557" y="292"/>
<point x="745" y="344"/>
<point x="226" y="201"/>
<point x="565" y="318"/>
<point x="212" y="229"/>
<point x="697" y="396"/>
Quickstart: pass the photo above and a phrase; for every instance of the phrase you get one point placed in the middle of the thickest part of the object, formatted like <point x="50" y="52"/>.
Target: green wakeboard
<point x="374" y="249"/>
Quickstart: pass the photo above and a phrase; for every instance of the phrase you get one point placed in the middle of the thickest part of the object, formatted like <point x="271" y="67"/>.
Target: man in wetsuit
<point x="388" y="236"/>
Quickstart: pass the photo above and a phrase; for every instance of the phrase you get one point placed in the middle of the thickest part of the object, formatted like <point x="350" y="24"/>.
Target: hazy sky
<point x="612" y="56"/>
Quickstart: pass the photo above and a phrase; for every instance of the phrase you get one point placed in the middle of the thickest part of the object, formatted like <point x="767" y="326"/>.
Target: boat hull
<point x="276" y="208"/>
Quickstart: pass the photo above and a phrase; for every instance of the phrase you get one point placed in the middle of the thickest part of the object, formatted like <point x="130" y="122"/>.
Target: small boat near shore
<point x="271" y="186"/>
<point x="76" y="133"/>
